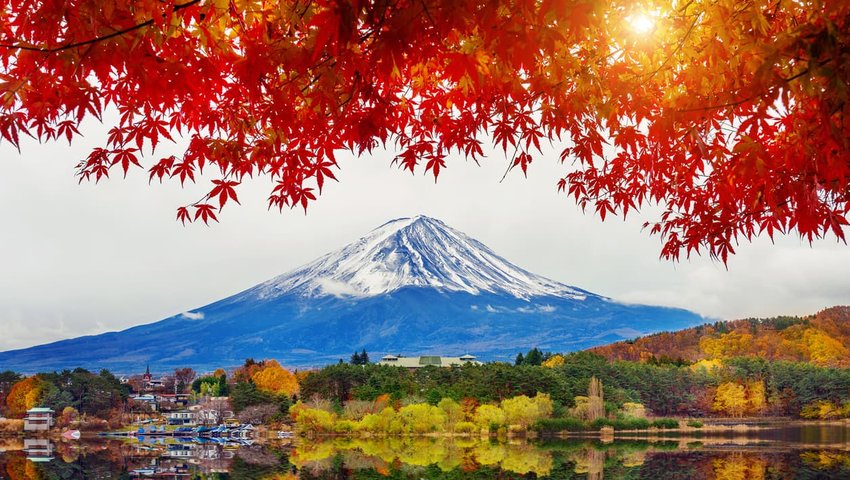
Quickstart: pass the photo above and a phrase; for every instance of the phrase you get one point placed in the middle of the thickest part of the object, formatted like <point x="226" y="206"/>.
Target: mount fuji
<point x="412" y="285"/>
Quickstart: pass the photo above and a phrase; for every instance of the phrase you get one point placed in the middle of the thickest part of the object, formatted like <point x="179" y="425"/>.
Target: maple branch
<point x="735" y="103"/>
<point x="117" y="33"/>
<point x="678" y="48"/>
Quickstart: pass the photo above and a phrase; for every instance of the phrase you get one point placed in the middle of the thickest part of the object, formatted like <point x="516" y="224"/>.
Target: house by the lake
<point x="427" y="360"/>
<point x="38" y="450"/>
<point x="38" y="419"/>
<point x="181" y="417"/>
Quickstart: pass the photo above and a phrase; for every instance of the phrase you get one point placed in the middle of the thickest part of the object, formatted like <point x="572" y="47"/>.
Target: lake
<point x="794" y="452"/>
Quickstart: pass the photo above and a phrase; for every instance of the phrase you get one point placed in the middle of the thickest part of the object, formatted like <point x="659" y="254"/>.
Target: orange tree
<point x="732" y="116"/>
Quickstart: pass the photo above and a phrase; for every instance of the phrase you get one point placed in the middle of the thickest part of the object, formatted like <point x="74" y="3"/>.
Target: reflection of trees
<point x="828" y="460"/>
<point x="440" y="458"/>
<point x="590" y="461"/>
<point x="739" y="467"/>
<point x="445" y="455"/>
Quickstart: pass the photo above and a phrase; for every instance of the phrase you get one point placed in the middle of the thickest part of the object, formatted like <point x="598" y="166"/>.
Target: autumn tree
<point x="25" y="394"/>
<point x="453" y="412"/>
<point x="554" y="361"/>
<point x="733" y="117"/>
<point x="183" y="378"/>
<point x="523" y="411"/>
<point x="489" y="415"/>
<point x="731" y="398"/>
<point x="275" y="379"/>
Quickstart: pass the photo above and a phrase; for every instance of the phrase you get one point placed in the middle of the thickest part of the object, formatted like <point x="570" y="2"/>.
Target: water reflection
<point x="424" y="458"/>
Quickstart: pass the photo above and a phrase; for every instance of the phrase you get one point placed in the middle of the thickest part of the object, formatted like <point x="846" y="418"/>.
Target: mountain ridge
<point x="398" y="253"/>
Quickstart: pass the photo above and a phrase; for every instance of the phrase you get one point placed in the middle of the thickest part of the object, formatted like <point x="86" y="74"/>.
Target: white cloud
<point x="537" y="309"/>
<point x="337" y="288"/>
<point x="192" y="315"/>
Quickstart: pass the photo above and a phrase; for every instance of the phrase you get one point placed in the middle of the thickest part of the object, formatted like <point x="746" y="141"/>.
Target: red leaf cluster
<point x="734" y="117"/>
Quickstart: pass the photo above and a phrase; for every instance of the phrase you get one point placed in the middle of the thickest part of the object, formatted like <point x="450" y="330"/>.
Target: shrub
<point x="559" y="425"/>
<point x="466" y="427"/>
<point x="312" y="420"/>
<point x="257" y="414"/>
<point x="345" y="426"/>
<point x="631" y="423"/>
<point x="667" y="423"/>
<point x="626" y="423"/>
<point x="634" y="410"/>
<point x="695" y="424"/>
<point x="9" y="425"/>
<point x="94" y="424"/>
<point x="487" y="415"/>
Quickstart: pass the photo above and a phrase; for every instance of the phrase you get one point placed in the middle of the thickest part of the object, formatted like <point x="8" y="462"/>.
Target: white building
<point x="182" y="417"/>
<point x="38" y="419"/>
<point x="427" y="360"/>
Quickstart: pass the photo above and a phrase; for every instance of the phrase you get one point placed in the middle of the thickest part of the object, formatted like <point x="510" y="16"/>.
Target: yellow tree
<point x="487" y="415"/>
<point x="24" y="395"/>
<point x="556" y="360"/>
<point x="524" y="411"/>
<point x="756" y="398"/>
<point x="731" y="398"/>
<point x="453" y="411"/>
<point x="276" y="379"/>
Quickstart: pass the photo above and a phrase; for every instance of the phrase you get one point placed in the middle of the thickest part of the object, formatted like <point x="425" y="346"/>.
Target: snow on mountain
<point x="413" y="252"/>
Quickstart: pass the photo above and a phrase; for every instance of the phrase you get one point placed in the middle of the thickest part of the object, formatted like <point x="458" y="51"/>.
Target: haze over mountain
<point x="412" y="286"/>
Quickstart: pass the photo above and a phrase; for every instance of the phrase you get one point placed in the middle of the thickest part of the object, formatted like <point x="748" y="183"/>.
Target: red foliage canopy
<point x="731" y="115"/>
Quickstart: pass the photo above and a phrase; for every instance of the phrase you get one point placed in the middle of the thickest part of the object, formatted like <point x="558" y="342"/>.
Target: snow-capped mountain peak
<point x="413" y="252"/>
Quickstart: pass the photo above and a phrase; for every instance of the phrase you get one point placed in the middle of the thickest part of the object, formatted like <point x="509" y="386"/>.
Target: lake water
<point x="811" y="452"/>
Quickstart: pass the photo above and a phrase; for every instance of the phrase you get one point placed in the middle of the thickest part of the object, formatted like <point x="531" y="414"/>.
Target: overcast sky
<point x="85" y="259"/>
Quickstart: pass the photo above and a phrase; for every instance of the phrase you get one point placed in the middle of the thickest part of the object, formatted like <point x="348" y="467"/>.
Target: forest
<point x="820" y="339"/>
<point x="732" y="387"/>
<point x="784" y="366"/>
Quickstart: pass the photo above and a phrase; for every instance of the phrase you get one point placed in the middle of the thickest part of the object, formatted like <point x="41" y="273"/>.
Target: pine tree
<point x="534" y="357"/>
<point x="519" y="359"/>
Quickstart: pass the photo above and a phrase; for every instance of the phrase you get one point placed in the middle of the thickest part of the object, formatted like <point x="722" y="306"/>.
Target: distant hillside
<point x="822" y="339"/>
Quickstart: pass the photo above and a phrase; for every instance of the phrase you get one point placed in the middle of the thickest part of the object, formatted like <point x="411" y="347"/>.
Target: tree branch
<point x="97" y="39"/>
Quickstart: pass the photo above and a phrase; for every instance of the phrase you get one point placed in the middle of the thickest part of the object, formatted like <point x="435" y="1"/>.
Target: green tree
<point x="534" y="357"/>
<point x="246" y="394"/>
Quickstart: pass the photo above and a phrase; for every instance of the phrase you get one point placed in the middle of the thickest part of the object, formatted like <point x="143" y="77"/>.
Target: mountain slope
<point x="822" y="339"/>
<point x="413" y="252"/>
<point x="412" y="285"/>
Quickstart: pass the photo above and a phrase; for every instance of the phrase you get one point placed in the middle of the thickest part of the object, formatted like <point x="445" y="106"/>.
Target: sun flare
<point x="641" y="23"/>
